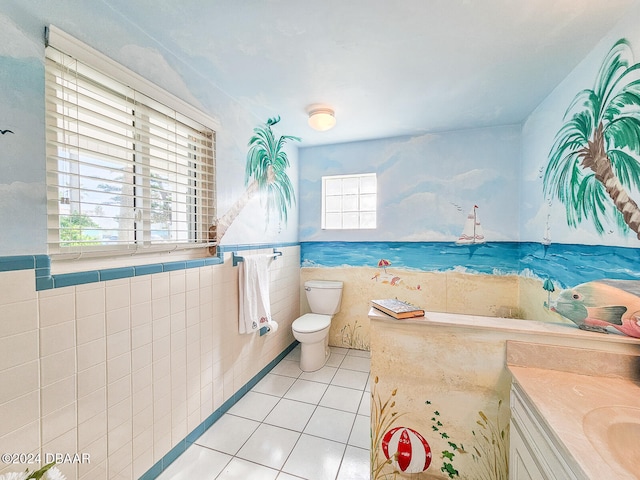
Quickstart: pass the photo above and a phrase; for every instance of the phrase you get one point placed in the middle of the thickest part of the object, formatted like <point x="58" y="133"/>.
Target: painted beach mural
<point x="431" y="249"/>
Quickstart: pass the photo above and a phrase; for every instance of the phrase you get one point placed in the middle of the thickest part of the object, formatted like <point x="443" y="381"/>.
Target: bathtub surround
<point x="130" y="370"/>
<point x="447" y="375"/>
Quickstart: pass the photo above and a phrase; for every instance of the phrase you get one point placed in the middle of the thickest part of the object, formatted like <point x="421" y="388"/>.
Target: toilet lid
<point x="311" y="322"/>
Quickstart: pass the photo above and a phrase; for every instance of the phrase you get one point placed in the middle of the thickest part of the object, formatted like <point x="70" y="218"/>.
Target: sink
<point x="614" y="432"/>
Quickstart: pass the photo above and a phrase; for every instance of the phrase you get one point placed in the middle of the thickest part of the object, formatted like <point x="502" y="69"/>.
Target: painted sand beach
<point x="509" y="296"/>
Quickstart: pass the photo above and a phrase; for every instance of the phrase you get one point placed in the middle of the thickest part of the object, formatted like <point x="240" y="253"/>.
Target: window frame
<point x="160" y="99"/>
<point x="359" y="211"/>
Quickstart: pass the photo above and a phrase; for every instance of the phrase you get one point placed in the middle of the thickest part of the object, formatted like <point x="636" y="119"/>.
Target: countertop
<point x="570" y="404"/>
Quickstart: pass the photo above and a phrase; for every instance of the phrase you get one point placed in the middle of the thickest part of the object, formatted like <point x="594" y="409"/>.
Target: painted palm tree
<point x="595" y="156"/>
<point x="265" y="171"/>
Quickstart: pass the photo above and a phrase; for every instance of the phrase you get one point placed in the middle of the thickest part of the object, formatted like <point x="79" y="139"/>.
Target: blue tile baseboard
<point x="185" y="443"/>
<point x="45" y="281"/>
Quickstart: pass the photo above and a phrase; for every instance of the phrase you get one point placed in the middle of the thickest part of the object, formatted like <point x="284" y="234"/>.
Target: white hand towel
<point x="255" y="306"/>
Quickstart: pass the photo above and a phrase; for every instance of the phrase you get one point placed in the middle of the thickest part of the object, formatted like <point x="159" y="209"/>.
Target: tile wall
<point x="125" y="370"/>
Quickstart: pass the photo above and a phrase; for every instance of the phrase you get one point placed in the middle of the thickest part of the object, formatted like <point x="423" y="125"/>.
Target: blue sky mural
<point x="426" y="184"/>
<point x="22" y="181"/>
<point x="22" y="178"/>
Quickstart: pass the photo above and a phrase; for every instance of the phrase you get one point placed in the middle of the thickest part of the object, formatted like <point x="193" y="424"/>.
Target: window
<point x="349" y="201"/>
<point x="126" y="172"/>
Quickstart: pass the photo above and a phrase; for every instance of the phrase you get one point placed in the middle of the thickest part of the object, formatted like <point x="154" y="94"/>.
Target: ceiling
<point x="386" y="67"/>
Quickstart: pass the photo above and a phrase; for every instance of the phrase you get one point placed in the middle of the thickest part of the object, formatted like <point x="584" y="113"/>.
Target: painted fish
<point x="601" y="304"/>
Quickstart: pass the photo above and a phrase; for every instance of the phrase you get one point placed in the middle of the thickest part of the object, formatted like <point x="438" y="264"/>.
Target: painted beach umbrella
<point x="548" y="286"/>
<point x="407" y="450"/>
<point x="384" y="263"/>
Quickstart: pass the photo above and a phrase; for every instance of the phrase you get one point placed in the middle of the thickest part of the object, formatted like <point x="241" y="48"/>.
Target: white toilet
<point x="312" y="329"/>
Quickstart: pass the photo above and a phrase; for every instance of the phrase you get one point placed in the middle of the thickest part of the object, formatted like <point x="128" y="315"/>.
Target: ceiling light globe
<point x="322" y="119"/>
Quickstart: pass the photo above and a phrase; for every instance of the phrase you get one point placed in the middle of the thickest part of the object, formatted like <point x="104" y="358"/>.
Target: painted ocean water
<point x="566" y="265"/>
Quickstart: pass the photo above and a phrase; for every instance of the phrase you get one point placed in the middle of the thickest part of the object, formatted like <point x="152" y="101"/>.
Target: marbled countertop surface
<point x="592" y="417"/>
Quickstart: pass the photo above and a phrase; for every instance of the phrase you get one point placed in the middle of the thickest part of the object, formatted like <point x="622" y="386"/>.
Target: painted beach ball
<point x="407" y="449"/>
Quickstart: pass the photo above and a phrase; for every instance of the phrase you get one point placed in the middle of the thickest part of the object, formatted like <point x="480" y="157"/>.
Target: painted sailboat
<point x="472" y="232"/>
<point x="546" y="239"/>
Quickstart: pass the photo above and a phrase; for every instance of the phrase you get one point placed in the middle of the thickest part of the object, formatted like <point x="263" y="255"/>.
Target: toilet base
<point x="314" y="356"/>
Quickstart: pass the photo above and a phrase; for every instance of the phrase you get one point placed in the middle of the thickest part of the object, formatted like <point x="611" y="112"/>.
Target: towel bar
<point x="237" y="258"/>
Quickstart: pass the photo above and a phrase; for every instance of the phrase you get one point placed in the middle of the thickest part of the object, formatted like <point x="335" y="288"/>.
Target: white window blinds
<point x="125" y="173"/>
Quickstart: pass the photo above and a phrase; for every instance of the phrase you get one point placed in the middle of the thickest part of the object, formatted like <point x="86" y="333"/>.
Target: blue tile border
<point x="185" y="443"/>
<point x="45" y="281"/>
<point x="22" y="262"/>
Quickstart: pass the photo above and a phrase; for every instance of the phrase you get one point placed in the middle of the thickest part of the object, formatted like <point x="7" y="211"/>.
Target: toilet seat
<point x="311" y="322"/>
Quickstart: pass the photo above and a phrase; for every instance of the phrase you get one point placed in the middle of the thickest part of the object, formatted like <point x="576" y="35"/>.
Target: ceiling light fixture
<point x="322" y="119"/>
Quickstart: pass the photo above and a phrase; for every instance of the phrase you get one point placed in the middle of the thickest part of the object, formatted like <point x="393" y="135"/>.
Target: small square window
<point x="349" y="202"/>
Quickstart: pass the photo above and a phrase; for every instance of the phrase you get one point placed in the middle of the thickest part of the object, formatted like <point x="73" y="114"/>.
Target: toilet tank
<point x="324" y="296"/>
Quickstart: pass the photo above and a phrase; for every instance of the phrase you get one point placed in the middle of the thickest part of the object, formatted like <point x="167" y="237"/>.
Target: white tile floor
<point x="292" y="425"/>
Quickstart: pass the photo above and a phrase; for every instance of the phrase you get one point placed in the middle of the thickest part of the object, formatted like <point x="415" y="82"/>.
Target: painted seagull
<point x="5" y="131"/>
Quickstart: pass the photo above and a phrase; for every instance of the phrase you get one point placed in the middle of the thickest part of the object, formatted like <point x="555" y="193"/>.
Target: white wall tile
<point x="90" y="328"/>
<point x="178" y="302"/>
<point x="18" y="349"/>
<point x="57" y="338"/>
<point x="93" y="471"/>
<point x="54" y="368"/>
<point x="19" y="412"/>
<point x="58" y="395"/>
<point x="128" y="367"/>
<point x="140" y="290"/>
<point x="118" y="344"/>
<point x="17" y="286"/>
<point x="178" y="321"/>
<point x="119" y="367"/>
<point x="141" y="335"/>
<point x="97" y="468"/>
<point x="90" y="299"/>
<point x="120" y="436"/>
<point x="160" y="285"/>
<point x="117" y="320"/>
<point x="55" y="309"/>
<point x="19" y="381"/>
<point x="140" y="314"/>
<point x="192" y="278"/>
<point x="160" y="307"/>
<point x="177" y="281"/>
<point x="161" y="347"/>
<point x="161" y="436"/>
<point x="91" y="354"/>
<point x="92" y="379"/>
<point x="92" y="404"/>
<point x="117" y="294"/>
<point x="121" y="461"/>
<point x="24" y="439"/>
<point x="142" y="357"/>
<point x="18" y="317"/>
<point x="143" y="461"/>
<point x="142" y="405"/>
<point x="58" y="423"/>
<point x="118" y="390"/>
<point x="143" y="425"/>
<point x="64" y="444"/>
<point x="92" y="430"/>
<point x="161" y="327"/>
